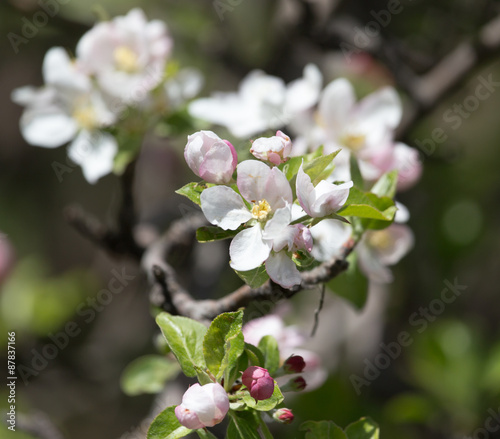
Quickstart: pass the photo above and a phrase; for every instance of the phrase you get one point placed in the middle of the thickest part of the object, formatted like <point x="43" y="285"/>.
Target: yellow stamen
<point x="353" y="141"/>
<point x="261" y="210"/>
<point x="85" y="117"/>
<point x="125" y="59"/>
<point x="380" y="239"/>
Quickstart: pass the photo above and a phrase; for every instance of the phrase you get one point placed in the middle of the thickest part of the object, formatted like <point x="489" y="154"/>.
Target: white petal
<point x="252" y="179"/>
<point x="402" y="240"/>
<point x="372" y="266"/>
<point x="402" y="214"/>
<point x="223" y="207"/>
<point x="277" y="190"/>
<point x="330" y="197"/>
<point x="381" y="108"/>
<point x="329" y="237"/>
<point x="59" y="70"/>
<point x="282" y="270"/>
<point x="336" y="103"/>
<point x="278" y="231"/>
<point x="95" y="153"/>
<point x="49" y="128"/>
<point x="248" y="250"/>
<point x="303" y="93"/>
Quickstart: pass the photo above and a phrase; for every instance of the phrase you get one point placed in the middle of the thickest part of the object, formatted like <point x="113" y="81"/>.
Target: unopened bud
<point x="258" y="382"/>
<point x="294" y="385"/>
<point x="294" y="364"/>
<point x="285" y="416"/>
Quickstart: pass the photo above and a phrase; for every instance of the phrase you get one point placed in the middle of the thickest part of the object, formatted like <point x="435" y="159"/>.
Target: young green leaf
<point x="203" y="433"/>
<point x="254" y="278"/>
<point x="320" y="168"/>
<point x="223" y="342"/>
<point x="213" y="233"/>
<point x="352" y="284"/>
<point x="265" y="405"/>
<point x="167" y="426"/>
<point x="242" y="426"/>
<point x="255" y="356"/>
<point x="269" y="348"/>
<point x="193" y="191"/>
<point x="367" y="205"/>
<point x="356" y="173"/>
<point x="386" y="185"/>
<point x="148" y="374"/>
<point x="322" y="430"/>
<point x="365" y="428"/>
<point x="185" y="338"/>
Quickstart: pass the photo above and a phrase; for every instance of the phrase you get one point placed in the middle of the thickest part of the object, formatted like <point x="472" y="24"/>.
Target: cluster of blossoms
<point x="119" y="64"/>
<point x="261" y="204"/>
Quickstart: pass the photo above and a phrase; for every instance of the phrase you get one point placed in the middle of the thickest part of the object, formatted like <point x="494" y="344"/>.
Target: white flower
<point x="269" y="235"/>
<point x="127" y="55"/>
<point x="322" y="200"/>
<point x="262" y="102"/>
<point x="68" y="108"/>
<point x="182" y="87"/>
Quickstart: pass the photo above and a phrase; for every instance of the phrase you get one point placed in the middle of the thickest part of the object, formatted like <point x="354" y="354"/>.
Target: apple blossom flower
<point x="183" y="86"/>
<point x="210" y="157"/>
<point x="258" y="382"/>
<point x="274" y="149"/>
<point x="322" y="200"/>
<point x="127" y="55"/>
<point x="285" y="416"/>
<point x="269" y="234"/>
<point x="203" y="406"/>
<point x="262" y="102"/>
<point x="69" y="108"/>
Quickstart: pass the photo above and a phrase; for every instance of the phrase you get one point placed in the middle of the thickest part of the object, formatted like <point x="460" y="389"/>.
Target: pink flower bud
<point x="210" y="157"/>
<point x="303" y="239"/>
<point x="285" y="416"/>
<point x="294" y="385"/>
<point x="259" y="383"/>
<point x="203" y="406"/>
<point x="294" y="364"/>
<point x="274" y="149"/>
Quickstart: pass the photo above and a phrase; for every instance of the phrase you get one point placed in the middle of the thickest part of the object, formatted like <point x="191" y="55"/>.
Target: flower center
<point x="125" y="59"/>
<point x="380" y="239"/>
<point x="85" y="117"/>
<point x="261" y="210"/>
<point x="353" y="141"/>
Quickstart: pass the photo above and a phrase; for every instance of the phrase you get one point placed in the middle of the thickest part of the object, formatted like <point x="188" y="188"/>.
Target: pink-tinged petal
<point x="329" y="237"/>
<point x="381" y="108"/>
<point x="400" y="241"/>
<point x="188" y="418"/>
<point x="95" y="153"/>
<point x="371" y="265"/>
<point x="49" y="128"/>
<point x="277" y="190"/>
<point x="282" y="270"/>
<point x="305" y="191"/>
<point x="223" y="207"/>
<point x="221" y="402"/>
<point x="233" y="153"/>
<point x="303" y="239"/>
<point x="248" y="250"/>
<point x="252" y="180"/>
<point x="330" y="197"/>
<point x="336" y="103"/>
<point x="217" y="166"/>
<point x="408" y="164"/>
<point x="209" y="403"/>
<point x="255" y="329"/>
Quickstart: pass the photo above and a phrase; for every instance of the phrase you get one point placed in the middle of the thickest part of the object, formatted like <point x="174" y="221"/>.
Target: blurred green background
<point x="441" y="386"/>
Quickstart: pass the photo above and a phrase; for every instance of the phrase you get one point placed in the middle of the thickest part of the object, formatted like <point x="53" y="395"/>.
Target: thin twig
<point x="318" y="310"/>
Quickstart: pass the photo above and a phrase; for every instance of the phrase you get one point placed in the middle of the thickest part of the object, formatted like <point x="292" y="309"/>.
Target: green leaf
<point x="386" y="185"/>
<point x="291" y="167"/>
<point x="185" y="338"/>
<point x="255" y="356"/>
<point x="356" y="173"/>
<point x="365" y="428"/>
<point x="269" y="348"/>
<point x="367" y="205"/>
<point x="266" y="404"/>
<point x="322" y="430"/>
<point x="254" y="278"/>
<point x="213" y="233"/>
<point x="352" y="284"/>
<point x="242" y="426"/>
<point x="193" y="191"/>
<point x="223" y="342"/>
<point x="319" y="168"/>
<point x="148" y="374"/>
<point x="167" y="426"/>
